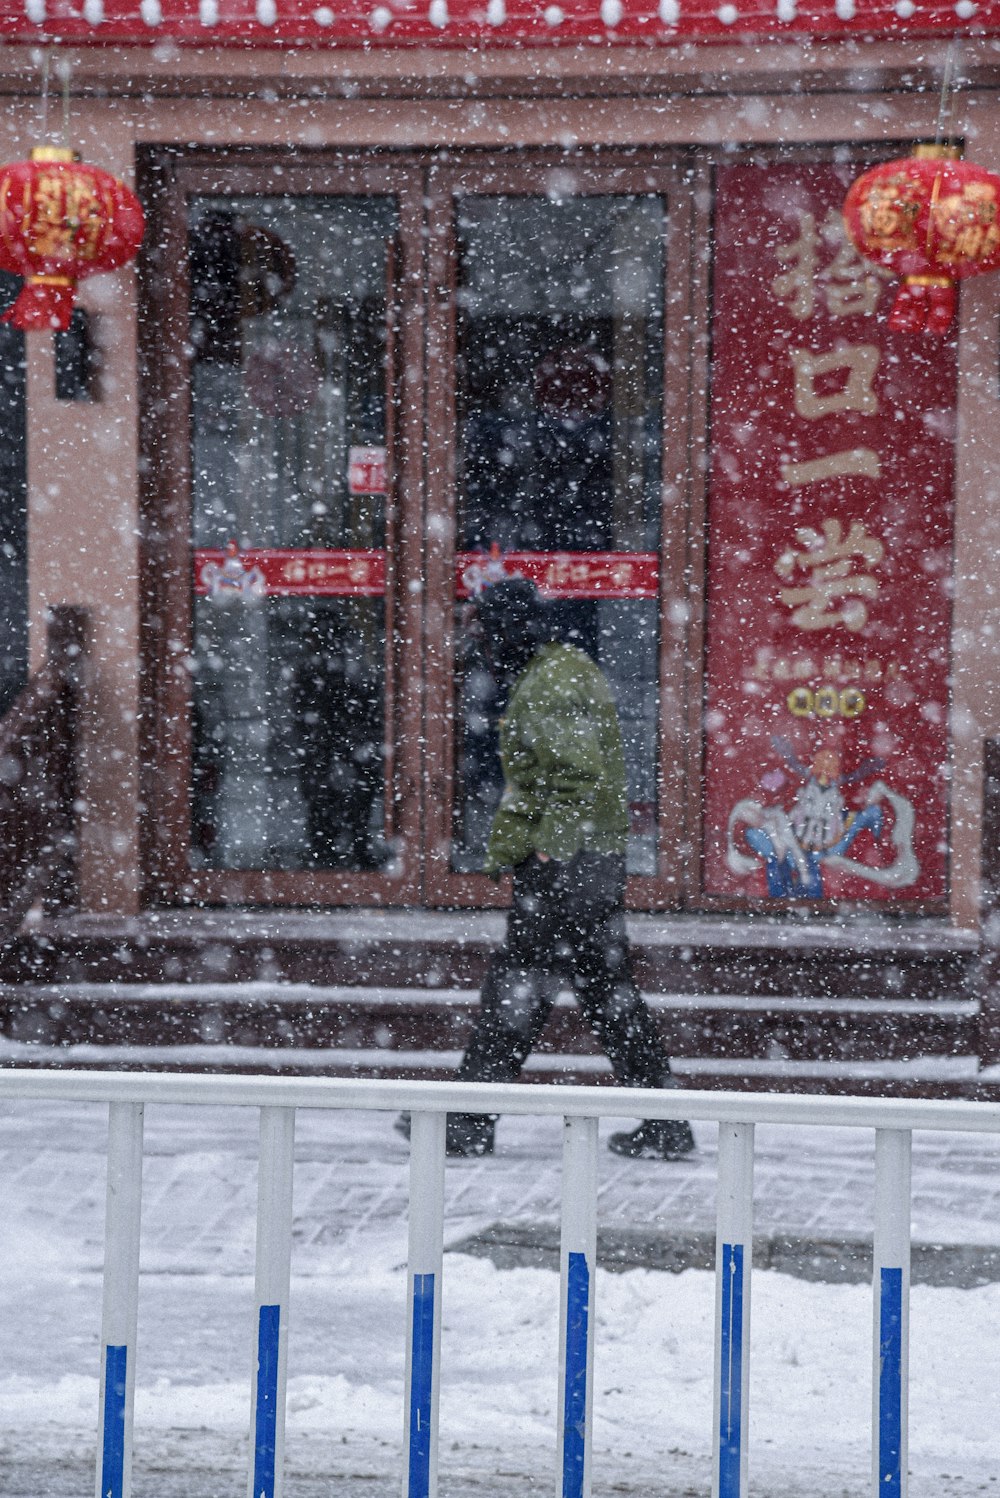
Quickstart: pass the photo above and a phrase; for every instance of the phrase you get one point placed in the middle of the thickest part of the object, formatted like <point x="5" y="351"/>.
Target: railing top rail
<point x="199" y="1088"/>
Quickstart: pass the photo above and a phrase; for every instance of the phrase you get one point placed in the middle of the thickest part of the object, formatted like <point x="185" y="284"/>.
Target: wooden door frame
<point x="168" y="178"/>
<point x="597" y="173"/>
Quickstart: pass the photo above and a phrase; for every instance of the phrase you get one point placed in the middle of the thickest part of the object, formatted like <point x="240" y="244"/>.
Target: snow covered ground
<point x="810" y="1394"/>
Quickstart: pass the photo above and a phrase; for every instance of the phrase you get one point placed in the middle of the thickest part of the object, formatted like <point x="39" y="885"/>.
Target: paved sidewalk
<point x="351" y="1175"/>
<point x="351" y="1187"/>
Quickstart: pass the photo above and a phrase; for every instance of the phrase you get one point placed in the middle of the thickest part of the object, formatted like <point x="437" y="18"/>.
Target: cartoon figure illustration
<point x="480" y="574"/>
<point x="818" y="830"/>
<point x="232" y="580"/>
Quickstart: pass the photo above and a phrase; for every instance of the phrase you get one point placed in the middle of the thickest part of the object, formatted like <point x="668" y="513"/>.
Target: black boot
<point x="469" y="1134"/>
<point x="465" y="1133"/>
<point x="654" y="1139"/>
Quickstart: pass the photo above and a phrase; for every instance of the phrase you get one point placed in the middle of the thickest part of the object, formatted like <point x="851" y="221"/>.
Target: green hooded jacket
<point x="561" y="750"/>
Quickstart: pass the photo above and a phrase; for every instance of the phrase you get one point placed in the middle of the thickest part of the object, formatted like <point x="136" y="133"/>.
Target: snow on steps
<point x="847" y="1004"/>
<point x="891" y="1046"/>
<point x="847" y="957"/>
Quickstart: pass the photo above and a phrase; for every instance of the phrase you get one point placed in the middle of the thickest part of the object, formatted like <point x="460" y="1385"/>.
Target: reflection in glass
<point x="560" y="409"/>
<point x="288" y="704"/>
<point x="560" y="373"/>
<point x="288" y="341"/>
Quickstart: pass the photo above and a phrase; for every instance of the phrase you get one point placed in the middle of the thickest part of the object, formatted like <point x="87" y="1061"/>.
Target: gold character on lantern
<point x="967" y="222"/>
<point x="84" y="212"/>
<point x="47" y="228"/>
<point x="889" y="214"/>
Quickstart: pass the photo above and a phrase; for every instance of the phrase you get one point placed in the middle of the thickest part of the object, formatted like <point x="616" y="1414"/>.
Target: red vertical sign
<point x="830" y="560"/>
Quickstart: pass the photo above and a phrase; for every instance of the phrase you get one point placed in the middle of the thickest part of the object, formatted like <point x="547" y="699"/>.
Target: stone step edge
<point x="220" y="1055"/>
<point x="267" y="995"/>
<point x="922" y="937"/>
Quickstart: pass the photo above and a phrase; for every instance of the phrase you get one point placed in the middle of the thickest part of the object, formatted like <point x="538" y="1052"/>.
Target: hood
<point x="514" y="620"/>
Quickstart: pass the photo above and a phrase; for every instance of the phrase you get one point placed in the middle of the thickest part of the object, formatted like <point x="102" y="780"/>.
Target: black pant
<point x="567" y="920"/>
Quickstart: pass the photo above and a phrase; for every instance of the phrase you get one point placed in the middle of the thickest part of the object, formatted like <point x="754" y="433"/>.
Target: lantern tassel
<point x="44" y="304"/>
<point x="924" y="304"/>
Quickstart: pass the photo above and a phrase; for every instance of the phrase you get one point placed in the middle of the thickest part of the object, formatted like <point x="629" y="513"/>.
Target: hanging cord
<point x="46" y="63"/>
<point x="947" y="93"/>
<point x="943" y="131"/>
<point x="64" y="69"/>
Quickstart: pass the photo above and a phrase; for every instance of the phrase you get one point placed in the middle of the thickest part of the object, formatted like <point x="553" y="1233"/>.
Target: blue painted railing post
<point x="423" y="1344"/>
<point x="733" y="1262"/>
<point x="891" y="1318"/>
<point x="578" y="1266"/>
<point x="121" y="1300"/>
<point x="272" y="1282"/>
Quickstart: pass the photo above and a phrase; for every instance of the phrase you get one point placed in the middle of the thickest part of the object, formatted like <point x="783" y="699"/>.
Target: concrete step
<point x="401" y="1020"/>
<point x="370" y="990"/>
<point x="683" y="955"/>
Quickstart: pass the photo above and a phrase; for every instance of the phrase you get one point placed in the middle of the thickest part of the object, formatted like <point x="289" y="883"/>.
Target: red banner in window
<point x="283" y="573"/>
<point x="830" y="539"/>
<point x="564" y="574"/>
<point x="271" y="23"/>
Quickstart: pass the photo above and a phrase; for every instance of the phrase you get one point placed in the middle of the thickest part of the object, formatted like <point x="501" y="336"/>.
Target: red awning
<point x="269" y="23"/>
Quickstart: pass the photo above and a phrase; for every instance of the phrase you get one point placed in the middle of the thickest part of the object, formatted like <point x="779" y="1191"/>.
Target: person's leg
<point x="513" y="1006"/>
<point x="516" y="997"/>
<point x="611" y="1001"/>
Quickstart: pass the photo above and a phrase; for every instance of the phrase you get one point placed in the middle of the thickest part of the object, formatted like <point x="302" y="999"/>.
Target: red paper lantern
<point x="933" y="219"/>
<point x="61" y="220"/>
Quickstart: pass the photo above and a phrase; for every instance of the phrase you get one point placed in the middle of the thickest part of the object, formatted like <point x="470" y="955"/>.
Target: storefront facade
<point x="406" y="312"/>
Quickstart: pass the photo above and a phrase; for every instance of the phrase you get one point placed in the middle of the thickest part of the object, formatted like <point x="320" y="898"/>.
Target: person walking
<point x="562" y="826"/>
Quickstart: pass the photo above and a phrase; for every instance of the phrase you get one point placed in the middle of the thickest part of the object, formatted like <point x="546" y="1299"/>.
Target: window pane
<point x="288" y="332"/>
<point x="560" y="373"/>
<point x="288" y="753"/>
<point x="559" y="397"/>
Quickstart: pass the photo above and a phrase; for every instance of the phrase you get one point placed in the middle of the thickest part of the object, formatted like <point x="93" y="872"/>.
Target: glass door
<point x="295" y="772"/>
<point x="373" y="379"/>
<point x="561" y="429"/>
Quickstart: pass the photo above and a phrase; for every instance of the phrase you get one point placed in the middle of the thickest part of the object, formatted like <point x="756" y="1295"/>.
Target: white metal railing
<point x="277" y="1098"/>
